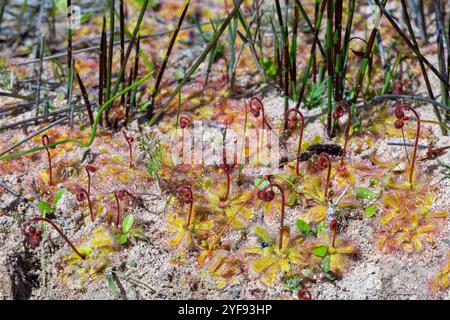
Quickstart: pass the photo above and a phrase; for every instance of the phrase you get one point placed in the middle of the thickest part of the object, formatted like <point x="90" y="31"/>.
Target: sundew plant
<point x="232" y="149"/>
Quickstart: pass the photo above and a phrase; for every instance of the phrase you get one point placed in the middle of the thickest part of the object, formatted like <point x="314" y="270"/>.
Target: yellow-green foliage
<point x="199" y="227"/>
<point x="97" y="250"/>
<point x="441" y="280"/>
<point x="226" y="209"/>
<point x="225" y="268"/>
<point x="339" y="255"/>
<point x="407" y="223"/>
<point x="273" y="261"/>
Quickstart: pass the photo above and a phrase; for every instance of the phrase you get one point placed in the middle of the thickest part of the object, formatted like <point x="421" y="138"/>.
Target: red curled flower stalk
<point x="185" y="121"/>
<point x="186" y="196"/>
<point x="226" y="168"/>
<point x="46" y="141"/>
<point x="267" y="194"/>
<point x="292" y="125"/>
<point x="257" y="108"/>
<point x="333" y="227"/>
<point x="323" y="162"/>
<point x="398" y="89"/>
<point x="130" y="141"/>
<point x="338" y="113"/>
<point x="399" y="123"/>
<point x="120" y="195"/>
<point x="84" y="195"/>
<point x="34" y="236"/>
<point x="90" y="169"/>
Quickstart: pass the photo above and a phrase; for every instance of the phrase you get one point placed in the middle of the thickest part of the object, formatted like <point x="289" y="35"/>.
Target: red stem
<point x="283" y="199"/>
<point x="182" y="143"/>
<point x="300" y="139"/>
<point x="325" y="157"/>
<point x="253" y="109"/>
<point x="46" y="141"/>
<point x="190" y="208"/>
<point x="334" y="236"/>
<point x="118" y="210"/>
<point x="82" y="256"/>
<point x="89" y="181"/>
<point x="227" y="172"/>
<point x="129" y="141"/>
<point x="190" y="202"/>
<point x="404" y="146"/>
<point x="119" y="195"/>
<point x="89" y="202"/>
<point x="131" y="153"/>
<point x="416" y="143"/>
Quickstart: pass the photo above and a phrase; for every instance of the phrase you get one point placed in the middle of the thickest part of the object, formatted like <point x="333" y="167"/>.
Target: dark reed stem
<point x="17" y="194"/>
<point x="364" y="64"/>
<point x="408" y="97"/>
<point x="136" y="58"/>
<point x="346" y="47"/>
<point x="330" y="64"/>
<point x="21" y="122"/>
<point x="135" y="75"/>
<point x="69" y="45"/>
<point x="308" y="22"/>
<point x="92" y="136"/>
<point x="130" y="47"/>
<point x="85" y="97"/>
<point x="277" y="55"/>
<point x="313" y="49"/>
<point x="199" y="60"/>
<point x="284" y="33"/>
<point x="117" y="43"/>
<point x="337" y="49"/>
<point x="421" y="21"/>
<point x="102" y="66"/>
<point x="367" y="55"/>
<point x="410" y="44"/>
<point x="441" y="39"/>
<point x="16" y="96"/>
<point x="415" y="50"/>
<point x="440" y="22"/>
<point x="150" y="110"/>
<point x="31" y="136"/>
<point x="122" y="31"/>
<point x="413" y="38"/>
<point x="110" y="52"/>
<point x="71" y="106"/>
<point x="422" y="65"/>
<point x="122" y="42"/>
<point x="40" y="71"/>
<point x="128" y="99"/>
<point x="294" y="54"/>
<point x="312" y="55"/>
<point x="2" y="11"/>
